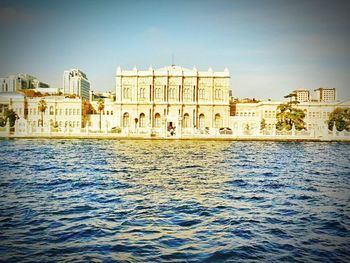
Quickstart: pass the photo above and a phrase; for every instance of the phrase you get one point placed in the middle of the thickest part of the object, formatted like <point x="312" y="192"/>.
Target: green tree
<point x="263" y="124"/>
<point x="2" y="121"/>
<point x="42" y="106"/>
<point x="100" y="108"/>
<point x="10" y="115"/>
<point x="341" y="118"/>
<point x="287" y="115"/>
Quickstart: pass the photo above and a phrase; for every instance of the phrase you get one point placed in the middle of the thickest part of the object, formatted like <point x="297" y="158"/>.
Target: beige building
<point x="326" y="94"/>
<point x="302" y="95"/>
<point x="108" y="116"/>
<point x="172" y="98"/>
<point x="63" y="114"/>
<point x="248" y="116"/>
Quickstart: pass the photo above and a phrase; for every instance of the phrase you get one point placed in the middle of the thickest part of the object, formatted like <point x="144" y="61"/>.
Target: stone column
<point x="334" y="130"/>
<point x="179" y="130"/>
<point x="325" y="132"/>
<point x="17" y="131"/>
<point x="8" y="126"/>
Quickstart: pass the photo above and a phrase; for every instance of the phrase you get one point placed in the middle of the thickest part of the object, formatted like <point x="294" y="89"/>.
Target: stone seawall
<point x="184" y="137"/>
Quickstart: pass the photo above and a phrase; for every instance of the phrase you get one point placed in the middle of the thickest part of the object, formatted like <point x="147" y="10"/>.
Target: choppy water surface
<point x="161" y="201"/>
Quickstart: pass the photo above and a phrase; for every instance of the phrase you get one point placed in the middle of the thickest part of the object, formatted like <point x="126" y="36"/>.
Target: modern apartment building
<point x="75" y="82"/>
<point x="19" y="82"/>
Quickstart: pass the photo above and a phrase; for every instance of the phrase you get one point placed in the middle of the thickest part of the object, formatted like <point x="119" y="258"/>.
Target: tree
<point x="287" y="115"/>
<point x="87" y="109"/>
<point x="100" y="108"/>
<point x="42" y="106"/>
<point x="10" y="115"/>
<point x="2" y="121"/>
<point x="341" y="118"/>
<point x="31" y="93"/>
<point x="263" y="124"/>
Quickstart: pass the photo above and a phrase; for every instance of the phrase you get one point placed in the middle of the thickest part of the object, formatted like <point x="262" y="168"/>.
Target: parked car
<point x="225" y="130"/>
<point x="116" y="130"/>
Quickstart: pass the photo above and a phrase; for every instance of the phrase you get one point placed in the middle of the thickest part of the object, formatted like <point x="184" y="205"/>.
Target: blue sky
<point x="270" y="47"/>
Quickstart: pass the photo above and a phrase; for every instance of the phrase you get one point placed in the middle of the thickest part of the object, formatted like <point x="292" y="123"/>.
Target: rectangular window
<point x="202" y="94"/>
<point x="126" y="93"/>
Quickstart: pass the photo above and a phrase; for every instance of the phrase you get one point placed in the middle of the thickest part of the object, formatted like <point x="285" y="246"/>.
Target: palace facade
<point x="172" y="97"/>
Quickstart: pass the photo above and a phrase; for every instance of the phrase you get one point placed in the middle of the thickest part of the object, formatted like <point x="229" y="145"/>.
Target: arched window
<point x="6" y="87"/>
<point x="126" y="119"/>
<point x="201" y="120"/>
<point x="51" y="110"/>
<point x="217" y="120"/>
<point x="142" y="121"/>
<point x="157" y="120"/>
<point x="186" y="121"/>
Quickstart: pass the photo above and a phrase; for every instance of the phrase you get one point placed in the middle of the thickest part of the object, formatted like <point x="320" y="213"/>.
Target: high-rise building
<point x="75" y="82"/>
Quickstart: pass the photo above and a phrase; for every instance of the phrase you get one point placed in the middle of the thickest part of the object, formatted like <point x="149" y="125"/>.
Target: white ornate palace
<point x="172" y="98"/>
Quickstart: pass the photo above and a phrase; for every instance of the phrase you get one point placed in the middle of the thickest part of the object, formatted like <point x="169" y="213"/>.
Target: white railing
<point x="22" y="129"/>
<point x="283" y="132"/>
<point x="302" y="133"/>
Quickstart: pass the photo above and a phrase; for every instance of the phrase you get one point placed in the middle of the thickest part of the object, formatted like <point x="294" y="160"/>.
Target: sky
<point x="269" y="47"/>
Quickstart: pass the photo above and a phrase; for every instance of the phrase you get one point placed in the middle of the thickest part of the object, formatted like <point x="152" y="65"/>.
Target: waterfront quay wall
<point x="278" y="136"/>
